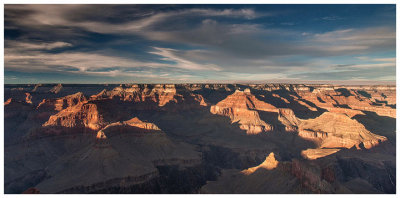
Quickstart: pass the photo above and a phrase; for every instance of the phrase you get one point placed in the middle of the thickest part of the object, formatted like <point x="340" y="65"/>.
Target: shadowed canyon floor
<point x="200" y="138"/>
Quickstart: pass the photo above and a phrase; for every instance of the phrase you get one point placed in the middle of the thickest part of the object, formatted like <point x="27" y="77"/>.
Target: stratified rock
<point x="318" y="153"/>
<point x="349" y="112"/>
<point x="241" y="107"/>
<point x="128" y="126"/>
<point x="332" y="130"/>
<point x="110" y="150"/>
<point x="152" y="97"/>
<point x="82" y="115"/>
<point x="289" y="119"/>
<point x="140" y="124"/>
<point x="61" y="103"/>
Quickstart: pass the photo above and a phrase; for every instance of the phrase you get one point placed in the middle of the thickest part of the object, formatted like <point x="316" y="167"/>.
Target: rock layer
<point x="332" y="130"/>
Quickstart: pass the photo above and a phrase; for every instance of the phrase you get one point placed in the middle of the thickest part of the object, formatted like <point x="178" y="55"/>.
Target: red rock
<point x="28" y="98"/>
<point x="332" y="130"/>
<point x="82" y="115"/>
<point x="241" y="107"/>
<point x="8" y="101"/>
<point x="61" y="103"/>
<point x="269" y="163"/>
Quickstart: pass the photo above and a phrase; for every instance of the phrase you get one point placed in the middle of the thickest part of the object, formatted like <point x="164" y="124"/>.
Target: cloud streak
<point x="197" y="42"/>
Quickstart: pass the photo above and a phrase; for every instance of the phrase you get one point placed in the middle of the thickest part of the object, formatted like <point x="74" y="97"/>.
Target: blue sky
<point x="199" y="43"/>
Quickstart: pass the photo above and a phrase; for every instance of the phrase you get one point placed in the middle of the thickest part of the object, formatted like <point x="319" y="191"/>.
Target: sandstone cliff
<point x="332" y="130"/>
<point x="241" y="107"/>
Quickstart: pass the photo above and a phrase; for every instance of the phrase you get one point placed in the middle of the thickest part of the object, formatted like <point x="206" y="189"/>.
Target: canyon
<point x="199" y="138"/>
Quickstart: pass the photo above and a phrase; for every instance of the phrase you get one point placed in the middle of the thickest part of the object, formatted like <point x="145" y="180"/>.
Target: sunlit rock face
<point x="269" y="163"/>
<point x="61" y="103"/>
<point x="378" y="99"/>
<point x="241" y="107"/>
<point x="313" y="154"/>
<point x="152" y="97"/>
<point x="82" y="115"/>
<point x="199" y="138"/>
<point x="332" y="130"/>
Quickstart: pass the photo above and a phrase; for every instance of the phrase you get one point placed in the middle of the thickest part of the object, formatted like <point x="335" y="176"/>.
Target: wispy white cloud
<point x="169" y="55"/>
<point x="55" y="15"/>
<point x="207" y="42"/>
<point x="392" y="60"/>
<point x="22" y="56"/>
<point x="16" y="45"/>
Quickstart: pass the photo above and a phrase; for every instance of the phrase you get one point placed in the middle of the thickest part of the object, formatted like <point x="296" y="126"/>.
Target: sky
<point x="199" y="43"/>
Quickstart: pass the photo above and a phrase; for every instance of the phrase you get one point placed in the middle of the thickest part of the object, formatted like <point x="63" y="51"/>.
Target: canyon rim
<point x="198" y="98"/>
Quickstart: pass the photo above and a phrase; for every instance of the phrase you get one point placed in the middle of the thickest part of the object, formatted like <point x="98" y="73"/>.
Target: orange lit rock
<point x="269" y="163"/>
<point x="317" y="153"/>
<point x="241" y="107"/>
<point x="101" y="135"/>
<point x="333" y="130"/>
<point x="83" y="115"/>
<point x="8" y="101"/>
<point x="140" y="124"/>
<point x="61" y="103"/>
<point x="28" y="98"/>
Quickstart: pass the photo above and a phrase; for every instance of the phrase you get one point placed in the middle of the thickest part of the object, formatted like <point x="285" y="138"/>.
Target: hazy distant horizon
<point x="364" y="83"/>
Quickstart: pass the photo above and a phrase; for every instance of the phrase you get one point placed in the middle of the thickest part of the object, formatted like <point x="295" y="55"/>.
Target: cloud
<point x="37" y="46"/>
<point x="354" y="72"/>
<point x="175" y="42"/>
<point x="247" y="40"/>
<point x="393" y="60"/>
<point x="169" y="55"/>
<point x="59" y="15"/>
<point x="23" y="56"/>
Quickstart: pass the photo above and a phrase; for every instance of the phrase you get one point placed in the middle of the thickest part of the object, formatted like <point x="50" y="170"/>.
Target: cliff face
<point x="82" y="115"/>
<point x="177" y="138"/>
<point x="128" y="126"/>
<point x="61" y="103"/>
<point x="152" y="97"/>
<point x="333" y="130"/>
<point x="242" y="107"/>
<point x="357" y="98"/>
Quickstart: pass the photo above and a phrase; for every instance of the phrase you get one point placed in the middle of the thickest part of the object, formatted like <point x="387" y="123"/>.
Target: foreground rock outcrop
<point x="269" y="163"/>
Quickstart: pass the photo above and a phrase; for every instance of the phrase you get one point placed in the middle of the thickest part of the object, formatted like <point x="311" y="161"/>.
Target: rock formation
<point x="82" y="115"/>
<point x="28" y="98"/>
<point x="61" y="103"/>
<point x="8" y="101"/>
<point x="332" y="130"/>
<point x="313" y="154"/>
<point x="153" y="97"/>
<point x="56" y="89"/>
<point x="193" y="138"/>
<point x="241" y="107"/>
<point x="269" y="163"/>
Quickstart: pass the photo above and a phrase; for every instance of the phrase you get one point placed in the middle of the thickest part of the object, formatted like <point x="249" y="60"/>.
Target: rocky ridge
<point x="110" y="127"/>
